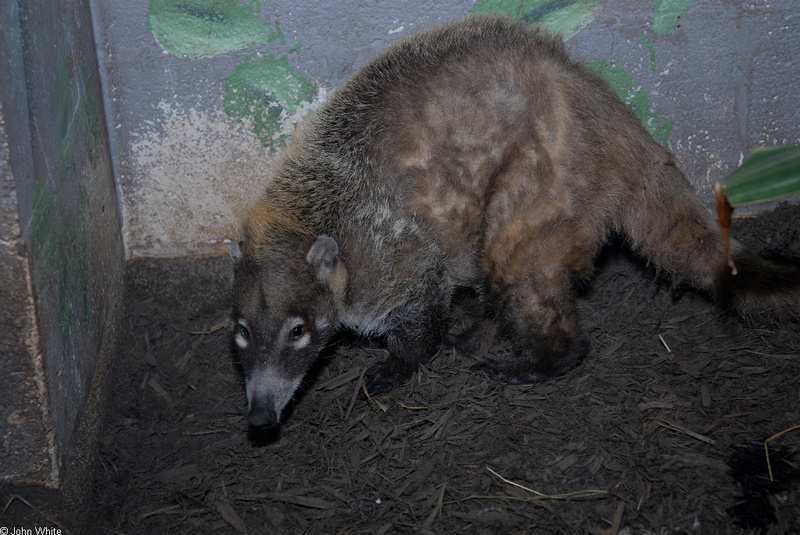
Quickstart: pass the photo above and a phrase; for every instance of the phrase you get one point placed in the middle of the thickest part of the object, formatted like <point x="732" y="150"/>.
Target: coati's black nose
<point x="262" y="414"/>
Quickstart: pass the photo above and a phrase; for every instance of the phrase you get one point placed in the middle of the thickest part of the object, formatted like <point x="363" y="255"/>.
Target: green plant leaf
<point x="768" y="173"/>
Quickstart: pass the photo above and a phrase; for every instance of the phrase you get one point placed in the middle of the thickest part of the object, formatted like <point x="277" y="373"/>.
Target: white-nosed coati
<point x="476" y="155"/>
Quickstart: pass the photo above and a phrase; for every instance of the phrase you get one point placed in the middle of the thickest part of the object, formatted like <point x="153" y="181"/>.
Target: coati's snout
<point x="267" y="395"/>
<point x="262" y="414"/>
<point x="284" y="313"/>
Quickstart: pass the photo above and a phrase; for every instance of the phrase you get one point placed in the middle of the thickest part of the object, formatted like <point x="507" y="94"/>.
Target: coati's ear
<point x="324" y="257"/>
<point x="236" y="251"/>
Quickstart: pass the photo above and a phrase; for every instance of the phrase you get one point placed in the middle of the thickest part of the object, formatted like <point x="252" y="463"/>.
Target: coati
<point x="476" y="155"/>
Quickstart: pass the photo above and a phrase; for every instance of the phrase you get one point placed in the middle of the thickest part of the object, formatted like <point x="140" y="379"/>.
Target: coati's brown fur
<point x="477" y="155"/>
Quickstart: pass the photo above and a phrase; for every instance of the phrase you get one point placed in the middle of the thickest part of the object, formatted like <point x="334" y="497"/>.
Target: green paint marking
<point x="668" y="15"/>
<point x="565" y="17"/>
<point x="61" y="249"/>
<point x="90" y="120"/>
<point x="280" y="32"/>
<point x="74" y="265"/>
<point x="648" y="44"/>
<point x="77" y="111"/>
<point x="68" y="118"/>
<point x="194" y="29"/>
<point x="262" y="92"/>
<point x="60" y="219"/>
<point x="43" y="231"/>
<point x="629" y="90"/>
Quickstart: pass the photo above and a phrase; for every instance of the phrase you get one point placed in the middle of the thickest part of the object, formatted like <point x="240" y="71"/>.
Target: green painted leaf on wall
<point x="565" y="17"/>
<point x="263" y="93"/>
<point x="669" y="14"/>
<point x="648" y="44"/>
<point x="194" y="29"/>
<point x="630" y="91"/>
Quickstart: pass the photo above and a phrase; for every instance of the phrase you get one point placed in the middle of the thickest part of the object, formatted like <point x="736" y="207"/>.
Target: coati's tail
<point x="761" y="286"/>
<point x="669" y="225"/>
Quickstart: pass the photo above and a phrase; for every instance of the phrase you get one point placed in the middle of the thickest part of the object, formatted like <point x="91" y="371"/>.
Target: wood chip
<point x="230" y="516"/>
<point x="304" y="501"/>
<point x="156" y="386"/>
<point x="682" y="429"/>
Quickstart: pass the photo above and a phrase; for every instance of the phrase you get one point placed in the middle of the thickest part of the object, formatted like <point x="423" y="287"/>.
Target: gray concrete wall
<point x="202" y="94"/>
<point x="61" y="254"/>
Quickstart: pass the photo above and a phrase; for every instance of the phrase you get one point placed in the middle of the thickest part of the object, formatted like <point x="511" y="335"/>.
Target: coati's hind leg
<point x="543" y="329"/>
<point x="531" y="269"/>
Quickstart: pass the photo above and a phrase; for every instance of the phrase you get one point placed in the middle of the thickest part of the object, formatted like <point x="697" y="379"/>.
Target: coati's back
<point x="413" y="144"/>
<point x="431" y="131"/>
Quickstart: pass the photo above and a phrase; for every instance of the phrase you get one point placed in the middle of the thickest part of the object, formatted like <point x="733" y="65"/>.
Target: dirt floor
<point x="660" y="430"/>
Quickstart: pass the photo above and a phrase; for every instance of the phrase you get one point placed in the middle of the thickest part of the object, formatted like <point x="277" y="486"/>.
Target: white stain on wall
<point x="191" y="175"/>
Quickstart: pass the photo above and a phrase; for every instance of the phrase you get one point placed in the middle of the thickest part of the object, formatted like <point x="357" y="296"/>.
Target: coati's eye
<point x="243" y="332"/>
<point x="297" y="332"/>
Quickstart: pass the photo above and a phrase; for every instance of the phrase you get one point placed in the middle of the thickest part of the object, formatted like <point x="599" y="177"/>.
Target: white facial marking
<point x="288" y="327"/>
<point x="240" y="340"/>
<point x="303" y="341"/>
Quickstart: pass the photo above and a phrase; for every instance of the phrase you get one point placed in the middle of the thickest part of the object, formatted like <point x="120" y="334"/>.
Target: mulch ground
<point x="660" y="430"/>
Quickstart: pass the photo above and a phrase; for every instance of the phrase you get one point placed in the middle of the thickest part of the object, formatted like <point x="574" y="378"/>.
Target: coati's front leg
<point x="472" y="328"/>
<point x="415" y="336"/>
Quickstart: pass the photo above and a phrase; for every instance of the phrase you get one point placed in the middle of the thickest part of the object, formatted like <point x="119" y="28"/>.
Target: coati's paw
<point x="475" y="340"/>
<point x="534" y="369"/>
<point x="384" y="376"/>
